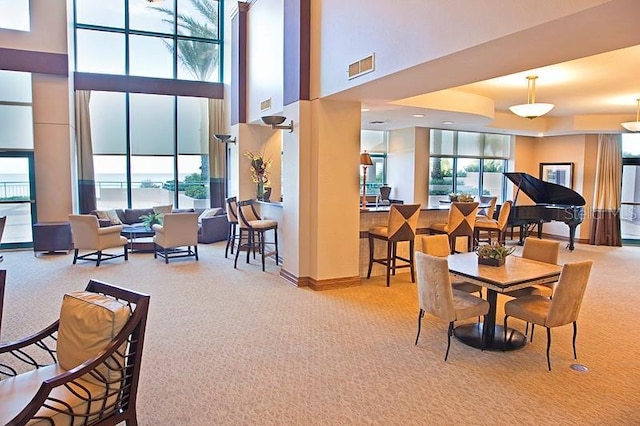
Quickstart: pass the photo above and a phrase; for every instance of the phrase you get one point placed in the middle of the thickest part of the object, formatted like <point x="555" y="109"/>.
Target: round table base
<point x="471" y="334"/>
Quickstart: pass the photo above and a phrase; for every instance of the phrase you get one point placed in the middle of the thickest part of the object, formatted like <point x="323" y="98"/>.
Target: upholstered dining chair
<point x="402" y="223"/>
<point x="491" y="226"/>
<point x="438" y="298"/>
<point x="541" y="250"/>
<point x="460" y="223"/>
<point x="488" y="212"/>
<point x="563" y="309"/>
<point x="176" y="237"/>
<point x="81" y="370"/>
<point x="88" y="235"/>
<point x="438" y="245"/>
<point x="232" y="218"/>
<point x="254" y="231"/>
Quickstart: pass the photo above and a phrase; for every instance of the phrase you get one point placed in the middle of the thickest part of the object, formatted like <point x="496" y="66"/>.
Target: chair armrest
<point x="28" y="351"/>
<point x="103" y="223"/>
<point x="115" y="229"/>
<point x="159" y="229"/>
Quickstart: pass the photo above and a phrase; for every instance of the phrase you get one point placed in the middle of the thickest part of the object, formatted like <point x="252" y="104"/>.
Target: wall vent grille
<point x="361" y="67"/>
<point x="264" y="105"/>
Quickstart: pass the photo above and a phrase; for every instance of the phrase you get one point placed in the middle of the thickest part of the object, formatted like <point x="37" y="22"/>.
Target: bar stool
<point x="460" y="223"/>
<point x="252" y="227"/>
<point x="401" y="226"/>
<point x="232" y="218"/>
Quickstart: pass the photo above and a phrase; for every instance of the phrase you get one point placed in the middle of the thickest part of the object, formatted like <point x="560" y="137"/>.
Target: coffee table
<point x="134" y="234"/>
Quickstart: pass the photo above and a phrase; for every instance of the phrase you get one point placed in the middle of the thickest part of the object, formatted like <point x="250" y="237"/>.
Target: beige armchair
<point x="87" y="235"/>
<point x="81" y="370"/>
<point x="561" y="310"/>
<point x="177" y="230"/>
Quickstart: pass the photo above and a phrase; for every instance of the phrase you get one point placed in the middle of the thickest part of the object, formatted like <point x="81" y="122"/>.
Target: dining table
<point x="516" y="273"/>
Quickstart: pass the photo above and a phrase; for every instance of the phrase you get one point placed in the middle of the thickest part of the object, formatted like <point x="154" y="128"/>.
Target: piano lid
<point x="545" y="192"/>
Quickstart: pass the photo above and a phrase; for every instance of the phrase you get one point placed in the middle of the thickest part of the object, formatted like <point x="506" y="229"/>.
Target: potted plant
<point x="148" y="220"/>
<point x="493" y="254"/>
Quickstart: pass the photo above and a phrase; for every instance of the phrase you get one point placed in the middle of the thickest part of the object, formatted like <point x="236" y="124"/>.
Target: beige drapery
<point x="217" y="154"/>
<point x="605" y="226"/>
<point x="86" y="178"/>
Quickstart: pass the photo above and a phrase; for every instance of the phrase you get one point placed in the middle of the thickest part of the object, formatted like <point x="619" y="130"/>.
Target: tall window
<point x="14" y="15"/>
<point x="630" y="209"/>
<point x="178" y="39"/>
<point x="466" y="162"/>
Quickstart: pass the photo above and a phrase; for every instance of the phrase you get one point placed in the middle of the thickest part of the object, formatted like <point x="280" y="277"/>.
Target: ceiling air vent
<point x="362" y="66"/>
<point x="265" y="105"/>
<point x="376" y="122"/>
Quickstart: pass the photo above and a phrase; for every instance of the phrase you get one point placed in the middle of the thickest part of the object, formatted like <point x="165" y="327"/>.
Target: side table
<point x="52" y="237"/>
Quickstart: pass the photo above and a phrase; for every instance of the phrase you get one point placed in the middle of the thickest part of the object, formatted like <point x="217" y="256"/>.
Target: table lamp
<point x="365" y="161"/>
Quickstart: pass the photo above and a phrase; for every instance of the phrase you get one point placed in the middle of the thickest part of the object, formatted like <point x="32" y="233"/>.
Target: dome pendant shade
<point x="633" y="126"/>
<point x="531" y="109"/>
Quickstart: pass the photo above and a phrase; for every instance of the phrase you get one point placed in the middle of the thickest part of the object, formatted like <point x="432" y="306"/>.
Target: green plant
<point x="494" y="251"/>
<point x="196" y="191"/>
<point x="148" y="220"/>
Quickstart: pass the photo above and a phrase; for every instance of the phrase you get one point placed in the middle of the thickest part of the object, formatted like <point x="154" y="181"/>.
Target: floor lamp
<point x="365" y="161"/>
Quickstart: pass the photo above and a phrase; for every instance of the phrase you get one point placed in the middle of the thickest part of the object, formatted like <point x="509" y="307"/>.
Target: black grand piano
<point x="553" y="202"/>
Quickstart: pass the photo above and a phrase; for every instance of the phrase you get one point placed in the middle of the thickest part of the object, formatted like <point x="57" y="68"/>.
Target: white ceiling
<point x="600" y="89"/>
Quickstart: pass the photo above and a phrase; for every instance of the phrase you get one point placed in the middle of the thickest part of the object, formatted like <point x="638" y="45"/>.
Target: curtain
<point x="86" y="178"/>
<point x="605" y="226"/>
<point x="217" y="154"/>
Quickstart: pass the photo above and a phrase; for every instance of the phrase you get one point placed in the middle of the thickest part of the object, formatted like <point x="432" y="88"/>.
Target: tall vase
<point x="260" y="191"/>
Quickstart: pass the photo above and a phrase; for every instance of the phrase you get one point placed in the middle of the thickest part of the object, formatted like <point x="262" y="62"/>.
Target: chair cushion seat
<point x="489" y="224"/>
<point x="466" y="287"/>
<point x="529" y="308"/>
<point x="16" y="393"/>
<point x="439" y="227"/>
<point x="467" y="306"/>
<point x="263" y="224"/>
<point x="527" y="291"/>
<point x="381" y="231"/>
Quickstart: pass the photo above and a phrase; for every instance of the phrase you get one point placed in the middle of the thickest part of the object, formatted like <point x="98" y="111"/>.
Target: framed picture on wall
<point x="558" y="173"/>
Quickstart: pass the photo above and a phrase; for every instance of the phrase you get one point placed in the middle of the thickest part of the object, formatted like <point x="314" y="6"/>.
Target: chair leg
<point x="533" y="326"/>
<point x="484" y="321"/>
<point x="75" y="256"/>
<point x="389" y="250"/>
<point x="229" y="236"/>
<point x="166" y="258"/>
<point x="275" y="239"/>
<point x="504" y="339"/>
<point x="449" y="334"/>
<point x="370" y="256"/>
<point x="420" y="316"/>
<point x="235" y="262"/>
<point x="548" y="347"/>
<point x="575" y="334"/>
<point x="394" y="257"/>
<point x="250" y="248"/>
<point x="411" y="256"/>
<point x="261" y="236"/>
<point x="99" y="258"/>
<point x="195" y="250"/>
<point x="126" y="252"/>
<point x="155" y="251"/>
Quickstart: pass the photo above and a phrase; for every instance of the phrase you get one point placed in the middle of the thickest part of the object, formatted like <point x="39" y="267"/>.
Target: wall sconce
<point x="275" y="121"/>
<point x="224" y="138"/>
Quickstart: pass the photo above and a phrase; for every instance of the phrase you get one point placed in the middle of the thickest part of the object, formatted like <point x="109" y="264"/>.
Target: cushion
<point x="88" y="323"/>
<point x="209" y="213"/>
<point x="110" y="215"/>
<point x="163" y="209"/>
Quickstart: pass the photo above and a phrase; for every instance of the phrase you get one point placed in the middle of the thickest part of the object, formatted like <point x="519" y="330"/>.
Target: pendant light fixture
<point x="531" y="109"/>
<point x="634" y="126"/>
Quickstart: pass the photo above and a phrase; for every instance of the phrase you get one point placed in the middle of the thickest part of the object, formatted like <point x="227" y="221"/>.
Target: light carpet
<point x="233" y="347"/>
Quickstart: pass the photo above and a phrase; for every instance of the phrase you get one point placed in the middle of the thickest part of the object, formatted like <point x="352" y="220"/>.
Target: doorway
<point x="17" y="198"/>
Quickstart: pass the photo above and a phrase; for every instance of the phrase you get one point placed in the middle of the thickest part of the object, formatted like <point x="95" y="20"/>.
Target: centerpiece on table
<point x="259" y="172"/>
<point x="460" y="197"/>
<point x="493" y="254"/>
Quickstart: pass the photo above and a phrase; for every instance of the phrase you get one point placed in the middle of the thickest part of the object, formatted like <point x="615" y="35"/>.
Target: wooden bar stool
<point x="252" y="227"/>
<point x="460" y="223"/>
<point x="401" y="226"/>
<point x="232" y="218"/>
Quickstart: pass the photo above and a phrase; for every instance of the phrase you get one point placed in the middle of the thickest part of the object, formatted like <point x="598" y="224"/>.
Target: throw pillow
<point x="209" y="213"/>
<point x="113" y="217"/>
<point x="163" y="209"/>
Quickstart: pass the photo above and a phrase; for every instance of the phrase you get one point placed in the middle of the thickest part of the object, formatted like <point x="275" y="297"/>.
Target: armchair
<point x="83" y="368"/>
<point x="177" y="230"/>
<point x="88" y="235"/>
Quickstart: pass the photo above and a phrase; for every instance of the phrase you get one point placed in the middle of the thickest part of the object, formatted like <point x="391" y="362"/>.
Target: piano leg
<point x="572" y="234"/>
<point x="540" y="229"/>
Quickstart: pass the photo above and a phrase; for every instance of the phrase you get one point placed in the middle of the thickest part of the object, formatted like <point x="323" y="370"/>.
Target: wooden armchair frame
<point x="122" y="356"/>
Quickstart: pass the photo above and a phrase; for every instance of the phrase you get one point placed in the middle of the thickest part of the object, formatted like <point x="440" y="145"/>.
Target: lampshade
<point x="634" y="126"/>
<point x="365" y="159"/>
<point x="531" y="109"/>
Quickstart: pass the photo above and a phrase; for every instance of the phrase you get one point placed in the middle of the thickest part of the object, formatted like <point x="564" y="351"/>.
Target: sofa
<point x="213" y="225"/>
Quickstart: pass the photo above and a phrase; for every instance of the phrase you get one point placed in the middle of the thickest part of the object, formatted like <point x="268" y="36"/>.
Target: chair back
<point x="503" y="217"/>
<point x="84" y="229"/>
<point x="489" y="211"/>
<point x="180" y="229"/>
<point x="232" y="210"/>
<point x="246" y="213"/>
<point x="461" y="222"/>
<point x="567" y="297"/>
<point x="3" y="281"/>
<point x="403" y="222"/>
<point x="435" y="294"/>
<point x="385" y="191"/>
<point x="541" y="250"/>
<point x="436" y="245"/>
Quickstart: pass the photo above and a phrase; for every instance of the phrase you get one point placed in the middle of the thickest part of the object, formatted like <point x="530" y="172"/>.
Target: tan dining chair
<point x="437" y="297"/>
<point x="563" y="309"/>
<point x="460" y="223"/>
<point x="438" y="245"/>
<point x="487" y="212"/>
<point x="402" y="223"/>
<point x="491" y="226"/>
